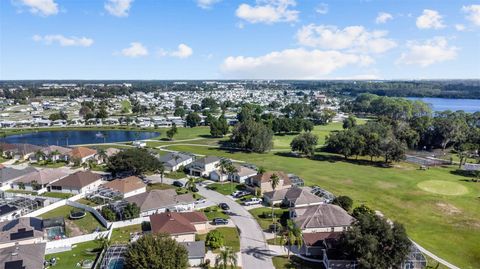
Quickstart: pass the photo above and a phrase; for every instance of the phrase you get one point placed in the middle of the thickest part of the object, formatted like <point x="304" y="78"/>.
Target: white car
<point x="200" y="201"/>
<point x="253" y="201"/>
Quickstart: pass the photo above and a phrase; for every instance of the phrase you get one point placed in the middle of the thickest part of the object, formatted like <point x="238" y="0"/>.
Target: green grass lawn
<point x="176" y="175"/>
<point x="282" y="262"/>
<point x="430" y="218"/>
<point x="214" y="212"/>
<point x="122" y="235"/>
<point x="50" y="165"/>
<point x="230" y="235"/>
<point x="225" y="188"/>
<point x="86" y="225"/>
<point x="79" y="253"/>
<point x="57" y="195"/>
<point x="86" y="202"/>
<point x="265" y="222"/>
<point x="22" y="191"/>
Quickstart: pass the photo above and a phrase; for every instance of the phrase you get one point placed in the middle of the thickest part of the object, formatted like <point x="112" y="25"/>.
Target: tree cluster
<point x="136" y="161"/>
<point x="374" y="242"/>
<point x="218" y="127"/>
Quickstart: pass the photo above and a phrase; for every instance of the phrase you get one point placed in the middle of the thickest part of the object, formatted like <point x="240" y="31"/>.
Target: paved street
<point x="253" y="246"/>
<point x="254" y="249"/>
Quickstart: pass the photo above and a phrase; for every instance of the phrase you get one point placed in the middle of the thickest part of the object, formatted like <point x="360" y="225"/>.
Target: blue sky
<point x="248" y="39"/>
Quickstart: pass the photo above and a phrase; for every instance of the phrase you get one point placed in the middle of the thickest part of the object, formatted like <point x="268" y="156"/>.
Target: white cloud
<point x="322" y="8"/>
<point x="354" y="38"/>
<point x="291" y="64"/>
<point x="268" y="11"/>
<point x="183" y="51"/>
<point x="430" y="19"/>
<point x="460" y="27"/>
<point x="64" y="41"/>
<point x="136" y="49"/>
<point x="383" y="17"/>
<point x="473" y="13"/>
<point x="431" y="51"/>
<point x="206" y="4"/>
<point x="118" y="8"/>
<point x="40" y="7"/>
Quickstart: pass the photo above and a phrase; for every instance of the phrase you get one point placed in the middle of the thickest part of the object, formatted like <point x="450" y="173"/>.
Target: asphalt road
<point x="253" y="245"/>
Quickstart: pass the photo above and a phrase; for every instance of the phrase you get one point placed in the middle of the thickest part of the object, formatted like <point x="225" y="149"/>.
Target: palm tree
<point x="103" y="241"/>
<point x="274" y="181"/>
<point x="161" y="170"/>
<point x="53" y="154"/>
<point x="292" y="237"/>
<point x="231" y="169"/>
<point x="225" y="257"/>
<point x="39" y="155"/>
<point x="191" y="184"/>
<point x="102" y="155"/>
<point x="261" y="170"/>
<point x="222" y="167"/>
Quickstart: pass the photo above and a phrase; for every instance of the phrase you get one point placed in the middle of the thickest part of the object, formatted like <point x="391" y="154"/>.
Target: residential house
<point x="39" y="179"/>
<point x="242" y="173"/>
<point x="262" y="182"/>
<point x="159" y="201"/>
<point x="204" y="166"/>
<point x="23" y="256"/>
<point x="9" y="212"/>
<point x="52" y="153"/>
<point x="196" y="252"/>
<point x="172" y="161"/>
<point x="292" y="197"/>
<point x="321" y="218"/>
<point x="82" y="154"/>
<point x="181" y="226"/>
<point x="9" y="174"/>
<point x="21" y="231"/>
<point x="19" y="151"/>
<point x="321" y="226"/>
<point x="78" y="182"/>
<point x="127" y="187"/>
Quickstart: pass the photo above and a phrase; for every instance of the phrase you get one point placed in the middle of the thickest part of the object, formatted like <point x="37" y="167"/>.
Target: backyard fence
<point x="66" y="244"/>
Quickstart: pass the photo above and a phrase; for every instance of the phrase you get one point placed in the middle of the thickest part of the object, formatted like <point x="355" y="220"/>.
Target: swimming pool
<point x="116" y="263"/>
<point x="55" y="233"/>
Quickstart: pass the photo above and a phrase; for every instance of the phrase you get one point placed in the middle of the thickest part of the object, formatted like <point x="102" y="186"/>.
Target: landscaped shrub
<point x="214" y="239"/>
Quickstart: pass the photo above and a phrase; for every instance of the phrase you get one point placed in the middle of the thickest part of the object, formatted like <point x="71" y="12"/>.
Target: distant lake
<point x="441" y="104"/>
<point x="62" y="138"/>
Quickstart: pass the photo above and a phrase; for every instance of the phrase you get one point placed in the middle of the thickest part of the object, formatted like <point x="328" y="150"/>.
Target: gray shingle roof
<point x="28" y="256"/>
<point x="322" y="216"/>
<point x="174" y="158"/>
<point x="156" y="199"/>
<point x="195" y="249"/>
<point x="8" y="173"/>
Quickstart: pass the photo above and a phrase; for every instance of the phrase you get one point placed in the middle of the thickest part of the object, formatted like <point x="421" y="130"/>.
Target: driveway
<point x="253" y="246"/>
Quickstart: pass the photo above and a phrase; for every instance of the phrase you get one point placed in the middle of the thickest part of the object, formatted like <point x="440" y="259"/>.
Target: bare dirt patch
<point x="73" y="228"/>
<point x="447" y="208"/>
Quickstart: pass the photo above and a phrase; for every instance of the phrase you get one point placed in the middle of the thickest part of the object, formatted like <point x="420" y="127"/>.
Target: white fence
<point x="123" y="223"/>
<point x="97" y="215"/>
<point x="65" y="244"/>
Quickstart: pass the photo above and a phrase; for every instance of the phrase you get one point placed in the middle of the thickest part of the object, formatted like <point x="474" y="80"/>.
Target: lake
<point x="65" y="138"/>
<point x="441" y="104"/>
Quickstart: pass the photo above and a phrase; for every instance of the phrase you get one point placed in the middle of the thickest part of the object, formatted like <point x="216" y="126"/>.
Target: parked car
<point x="224" y="206"/>
<point x="177" y="183"/>
<point x="240" y="194"/>
<point x="253" y="201"/>
<point x="194" y="189"/>
<point x="201" y="201"/>
<point x="220" y="221"/>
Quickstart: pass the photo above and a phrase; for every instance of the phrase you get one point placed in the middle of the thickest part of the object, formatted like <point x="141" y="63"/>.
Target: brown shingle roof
<point x="82" y="152"/>
<point x="265" y="177"/>
<point x="316" y="239"/>
<point x="78" y="180"/>
<point x="176" y="223"/>
<point x="125" y="185"/>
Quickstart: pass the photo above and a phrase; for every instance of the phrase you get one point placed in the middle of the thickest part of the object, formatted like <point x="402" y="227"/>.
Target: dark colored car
<point x="194" y="189"/>
<point x="220" y="221"/>
<point x="224" y="206"/>
<point x="177" y="183"/>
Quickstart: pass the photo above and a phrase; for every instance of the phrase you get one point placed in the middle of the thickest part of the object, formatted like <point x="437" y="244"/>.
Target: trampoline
<point x="77" y="214"/>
